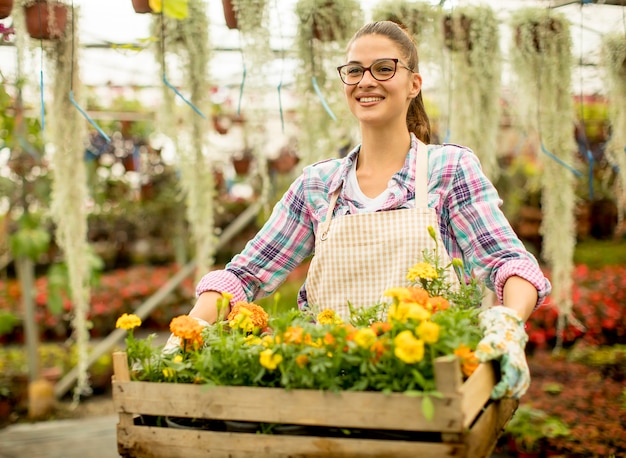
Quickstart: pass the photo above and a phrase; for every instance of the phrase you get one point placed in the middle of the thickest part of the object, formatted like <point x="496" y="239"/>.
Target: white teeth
<point x="370" y="99"/>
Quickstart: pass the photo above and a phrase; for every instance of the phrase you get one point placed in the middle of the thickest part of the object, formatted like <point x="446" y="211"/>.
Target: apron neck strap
<point x="421" y="175"/>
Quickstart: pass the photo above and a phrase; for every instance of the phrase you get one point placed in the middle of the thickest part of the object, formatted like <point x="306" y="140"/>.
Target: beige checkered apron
<point x="360" y="256"/>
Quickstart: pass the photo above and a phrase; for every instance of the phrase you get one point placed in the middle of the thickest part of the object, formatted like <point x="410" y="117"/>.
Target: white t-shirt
<point x="354" y="191"/>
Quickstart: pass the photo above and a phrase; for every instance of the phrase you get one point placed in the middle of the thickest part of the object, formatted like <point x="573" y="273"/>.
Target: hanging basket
<point x="541" y="32"/>
<point x="230" y="16"/>
<point x="142" y="6"/>
<point x="46" y="20"/>
<point x="456" y="32"/>
<point x="6" y="6"/>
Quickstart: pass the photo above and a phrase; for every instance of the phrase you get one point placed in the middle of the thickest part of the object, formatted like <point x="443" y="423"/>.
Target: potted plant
<point x="327" y="20"/>
<point x="45" y="19"/>
<point x="142" y="6"/>
<point x="6" y="6"/>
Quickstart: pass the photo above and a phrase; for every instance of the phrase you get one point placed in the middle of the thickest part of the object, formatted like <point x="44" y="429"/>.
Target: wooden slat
<point x="484" y="434"/>
<point x="152" y="442"/>
<point x="476" y="391"/>
<point x="276" y="405"/>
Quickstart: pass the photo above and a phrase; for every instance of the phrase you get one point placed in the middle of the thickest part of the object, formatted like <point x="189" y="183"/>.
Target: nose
<point x="370" y="77"/>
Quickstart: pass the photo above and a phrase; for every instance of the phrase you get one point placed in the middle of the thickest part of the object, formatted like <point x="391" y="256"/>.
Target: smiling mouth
<point x="370" y="99"/>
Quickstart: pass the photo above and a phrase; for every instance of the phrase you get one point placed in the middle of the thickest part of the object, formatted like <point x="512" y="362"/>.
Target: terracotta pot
<point x="541" y="32"/>
<point x="457" y="33"/>
<point x="141" y="6"/>
<point x="6" y="6"/>
<point x="40" y="25"/>
<point x="229" y="14"/>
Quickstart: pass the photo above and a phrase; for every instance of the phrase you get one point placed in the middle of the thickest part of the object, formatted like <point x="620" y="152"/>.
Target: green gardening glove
<point x="504" y="341"/>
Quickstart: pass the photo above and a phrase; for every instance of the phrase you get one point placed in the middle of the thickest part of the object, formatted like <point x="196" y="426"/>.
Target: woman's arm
<point x="520" y="295"/>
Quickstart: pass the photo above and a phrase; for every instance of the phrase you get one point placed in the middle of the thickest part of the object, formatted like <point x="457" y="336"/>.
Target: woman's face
<point x="380" y="103"/>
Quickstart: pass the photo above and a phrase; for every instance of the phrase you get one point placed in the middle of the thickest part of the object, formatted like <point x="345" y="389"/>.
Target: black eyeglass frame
<point x="395" y="60"/>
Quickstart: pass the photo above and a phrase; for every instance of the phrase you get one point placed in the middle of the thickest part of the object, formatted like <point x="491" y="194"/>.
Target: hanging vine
<point x="614" y="62"/>
<point x="67" y="132"/>
<point x="472" y="39"/>
<point x="541" y="58"/>
<point x="188" y="40"/>
<point x="324" y="27"/>
<point x="257" y="57"/>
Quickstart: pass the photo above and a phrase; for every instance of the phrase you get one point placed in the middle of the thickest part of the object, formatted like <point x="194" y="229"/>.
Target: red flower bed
<point x="118" y="291"/>
<point x="599" y="304"/>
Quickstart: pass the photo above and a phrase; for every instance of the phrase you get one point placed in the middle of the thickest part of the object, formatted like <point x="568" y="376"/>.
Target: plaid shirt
<point x="471" y="225"/>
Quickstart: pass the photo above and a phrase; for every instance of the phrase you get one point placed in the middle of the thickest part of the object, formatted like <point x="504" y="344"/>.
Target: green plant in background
<point x="31" y="239"/>
<point x="8" y="322"/>
<point x="529" y="426"/>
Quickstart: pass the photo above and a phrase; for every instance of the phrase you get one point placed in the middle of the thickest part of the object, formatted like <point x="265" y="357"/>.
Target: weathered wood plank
<point x="150" y="442"/>
<point x="276" y="405"/>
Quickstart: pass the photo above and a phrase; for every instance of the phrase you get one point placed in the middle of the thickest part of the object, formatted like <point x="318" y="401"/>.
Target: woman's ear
<point x="416" y="85"/>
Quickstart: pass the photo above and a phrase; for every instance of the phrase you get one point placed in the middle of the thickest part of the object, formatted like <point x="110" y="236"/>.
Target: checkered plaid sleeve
<point x="490" y="248"/>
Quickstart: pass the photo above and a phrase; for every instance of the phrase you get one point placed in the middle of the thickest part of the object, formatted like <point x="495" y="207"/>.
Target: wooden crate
<point x="466" y="423"/>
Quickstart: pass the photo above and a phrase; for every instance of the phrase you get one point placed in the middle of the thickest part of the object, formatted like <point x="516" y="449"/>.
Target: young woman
<point x="366" y="216"/>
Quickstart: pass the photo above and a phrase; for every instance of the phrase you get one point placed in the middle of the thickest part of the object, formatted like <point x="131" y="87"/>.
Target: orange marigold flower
<point x="378" y="349"/>
<point x="417" y="295"/>
<point x="438" y="303"/>
<point x="259" y="316"/>
<point x="329" y="339"/>
<point x="302" y="360"/>
<point x="294" y="335"/>
<point x="469" y="361"/>
<point x="381" y="327"/>
<point x="186" y="327"/>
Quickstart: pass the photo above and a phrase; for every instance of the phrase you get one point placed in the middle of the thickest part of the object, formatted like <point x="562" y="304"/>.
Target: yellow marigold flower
<point x="365" y="337"/>
<point x="328" y="317"/>
<point x="178" y="359"/>
<point x="302" y="360"/>
<point x="258" y="316"/>
<point x="421" y="270"/>
<point x="241" y="320"/>
<point x="469" y="361"/>
<point x="397" y="293"/>
<point x="253" y="340"/>
<point x="168" y="372"/>
<point x="269" y="360"/>
<point x="407" y="348"/>
<point x="267" y="341"/>
<point x="128" y="321"/>
<point x="428" y="331"/>
<point x="398" y="311"/>
<point x="417" y="312"/>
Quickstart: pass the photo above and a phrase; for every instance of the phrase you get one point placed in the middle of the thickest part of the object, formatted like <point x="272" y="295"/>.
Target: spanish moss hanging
<point x="542" y="60"/>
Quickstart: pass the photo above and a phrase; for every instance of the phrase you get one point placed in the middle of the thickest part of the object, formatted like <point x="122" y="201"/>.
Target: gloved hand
<point x="504" y="340"/>
<point x="173" y="343"/>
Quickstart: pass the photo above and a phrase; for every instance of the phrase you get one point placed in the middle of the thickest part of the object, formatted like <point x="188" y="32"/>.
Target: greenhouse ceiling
<point x="106" y="27"/>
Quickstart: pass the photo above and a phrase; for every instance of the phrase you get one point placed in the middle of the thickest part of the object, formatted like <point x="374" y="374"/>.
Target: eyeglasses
<point x="381" y="70"/>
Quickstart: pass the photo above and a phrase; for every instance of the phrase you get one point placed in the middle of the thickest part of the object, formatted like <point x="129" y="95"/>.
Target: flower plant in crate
<point x="389" y="347"/>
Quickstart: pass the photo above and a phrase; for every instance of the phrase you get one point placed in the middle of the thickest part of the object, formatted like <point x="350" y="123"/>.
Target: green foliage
<point x="599" y="253"/>
<point x="8" y="321"/>
<point x="31" y="240"/>
<point x="530" y="425"/>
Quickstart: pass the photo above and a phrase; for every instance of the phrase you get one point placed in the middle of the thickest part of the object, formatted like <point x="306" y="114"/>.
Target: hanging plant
<point x="421" y="19"/>
<point x="188" y="39"/>
<point x="614" y="63"/>
<point x="46" y="20"/>
<point x="472" y="40"/>
<point x="142" y="6"/>
<point x="541" y="59"/>
<point x="322" y="100"/>
<point x="69" y="188"/>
